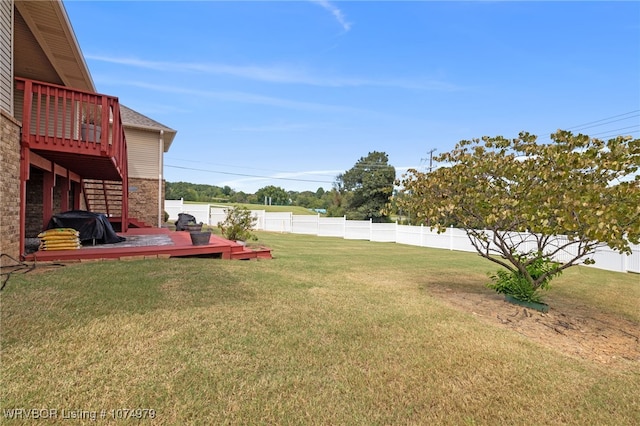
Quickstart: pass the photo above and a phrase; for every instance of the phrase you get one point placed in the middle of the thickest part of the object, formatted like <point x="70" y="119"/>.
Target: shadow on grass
<point x="41" y="304"/>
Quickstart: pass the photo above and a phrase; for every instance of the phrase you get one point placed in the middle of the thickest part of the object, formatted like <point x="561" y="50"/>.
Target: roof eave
<point x="60" y="20"/>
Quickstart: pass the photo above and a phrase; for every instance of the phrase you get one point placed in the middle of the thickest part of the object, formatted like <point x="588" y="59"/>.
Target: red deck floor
<point x="180" y="245"/>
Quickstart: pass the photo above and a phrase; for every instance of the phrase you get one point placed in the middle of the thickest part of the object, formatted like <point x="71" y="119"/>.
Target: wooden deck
<point x="174" y="244"/>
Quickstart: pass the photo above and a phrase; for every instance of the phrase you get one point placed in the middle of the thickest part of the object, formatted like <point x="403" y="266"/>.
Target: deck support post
<point x="48" y="183"/>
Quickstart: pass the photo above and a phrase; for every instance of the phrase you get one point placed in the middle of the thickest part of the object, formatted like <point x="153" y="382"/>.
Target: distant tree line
<point x="360" y="193"/>
<point x="319" y="199"/>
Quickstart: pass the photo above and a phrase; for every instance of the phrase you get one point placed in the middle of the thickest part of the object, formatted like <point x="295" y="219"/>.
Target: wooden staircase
<point x="103" y="196"/>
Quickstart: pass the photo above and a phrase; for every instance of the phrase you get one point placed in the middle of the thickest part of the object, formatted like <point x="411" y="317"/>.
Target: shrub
<point x="521" y="286"/>
<point x="238" y="224"/>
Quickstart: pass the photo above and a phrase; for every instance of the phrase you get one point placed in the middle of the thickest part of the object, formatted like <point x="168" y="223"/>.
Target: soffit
<point x="46" y="48"/>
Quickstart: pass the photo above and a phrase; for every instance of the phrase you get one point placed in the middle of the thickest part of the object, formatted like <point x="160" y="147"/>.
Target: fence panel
<point x="331" y="226"/>
<point x="200" y="211"/>
<point x="610" y="260"/>
<point x="458" y="240"/>
<point x="567" y="253"/>
<point x="216" y="216"/>
<point x="431" y="238"/>
<point x="304" y="224"/>
<point x="173" y="207"/>
<point x="259" y="216"/>
<point x="633" y="261"/>
<point x="410" y="235"/>
<point x="383" y="232"/>
<point x="357" y="229"/>
<point x="277" y="222"/>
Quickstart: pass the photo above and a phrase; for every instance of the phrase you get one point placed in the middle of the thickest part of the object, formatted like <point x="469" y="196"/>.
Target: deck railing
<point x="58" y="118"/>
<point x="64" y="120"/>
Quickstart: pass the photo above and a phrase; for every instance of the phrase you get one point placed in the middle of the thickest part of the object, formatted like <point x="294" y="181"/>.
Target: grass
<point x="330" y="331"/>
<point x="270" y="209"/>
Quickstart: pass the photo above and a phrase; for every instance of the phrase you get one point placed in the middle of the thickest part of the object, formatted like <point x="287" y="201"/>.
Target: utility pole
<point x="430" y="159"/>
<point x="428" y="222"/>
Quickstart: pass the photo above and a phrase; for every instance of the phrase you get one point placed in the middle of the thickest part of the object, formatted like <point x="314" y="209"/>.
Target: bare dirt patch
<point x="576" y="330"/>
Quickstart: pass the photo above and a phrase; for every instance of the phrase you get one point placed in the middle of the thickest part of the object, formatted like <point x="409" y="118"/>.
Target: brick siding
<point x="143" y="200"/>
<point x="9" y="187"/>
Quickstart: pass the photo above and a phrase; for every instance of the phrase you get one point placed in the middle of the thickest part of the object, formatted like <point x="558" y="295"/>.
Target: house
<point x="147" y="141"/>
<point x="63" y="146"/>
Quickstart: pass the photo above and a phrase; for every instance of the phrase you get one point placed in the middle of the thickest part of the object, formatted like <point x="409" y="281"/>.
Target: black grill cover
<point x="185" y="219"/>
<point x="91" y="226"/>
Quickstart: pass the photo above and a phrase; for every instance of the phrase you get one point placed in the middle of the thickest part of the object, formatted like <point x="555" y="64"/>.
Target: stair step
<point x="103" y="196"/>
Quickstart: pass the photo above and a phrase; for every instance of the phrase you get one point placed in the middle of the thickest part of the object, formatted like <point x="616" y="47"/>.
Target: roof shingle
<point x="135" y="119"/>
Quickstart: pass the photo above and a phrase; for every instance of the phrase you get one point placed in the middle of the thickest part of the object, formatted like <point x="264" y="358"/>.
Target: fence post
<point x="344" y="226"/>
<point x="370" y="229"/>
<point x="451" y="238"/>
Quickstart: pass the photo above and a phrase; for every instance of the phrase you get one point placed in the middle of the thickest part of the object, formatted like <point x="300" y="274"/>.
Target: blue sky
<point x="291" y="93"/>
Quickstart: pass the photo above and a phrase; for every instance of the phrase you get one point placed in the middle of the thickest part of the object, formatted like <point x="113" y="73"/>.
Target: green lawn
<point x="330" y="331"/>
<point x="270" y="209"/>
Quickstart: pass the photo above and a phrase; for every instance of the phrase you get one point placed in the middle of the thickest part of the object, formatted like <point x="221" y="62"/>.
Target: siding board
<point x="6" y="55"/>
<point x="142" y="151"/>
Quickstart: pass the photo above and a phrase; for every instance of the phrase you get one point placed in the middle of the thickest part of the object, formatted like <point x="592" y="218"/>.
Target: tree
<point x="576" y="186"/>
<point x="196" y="192"/>
<point x="238" y="224"/>
<point x="275" y="194"/>
<point x="367" y="187"/>
<point x="306" y="199"/>
<point x="239" y="197"/>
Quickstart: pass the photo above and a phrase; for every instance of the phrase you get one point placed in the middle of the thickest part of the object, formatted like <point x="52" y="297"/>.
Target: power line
<point x="615" y="135"/>
<point x="587" y="125"/>
<point x="608" y="118"/>
<point x="602" y="124"/>
<point x="598" y="123"/>
<point x="637" y="129"/>
<point x="357" y="165"/>
<point x="247" y="175"/>
<point x="239" y="167"/>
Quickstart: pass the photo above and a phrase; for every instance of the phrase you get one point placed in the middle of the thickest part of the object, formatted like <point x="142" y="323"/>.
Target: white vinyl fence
<point x="452" y="239"/>
<point x="200" y="211"/>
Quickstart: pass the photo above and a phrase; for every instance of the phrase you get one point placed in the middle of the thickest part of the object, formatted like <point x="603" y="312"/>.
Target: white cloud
<point x="276" y="74"/>
<point x="337" y="13"/>
<point x="261" y="73"/>
<point x="243" y="97"/>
